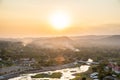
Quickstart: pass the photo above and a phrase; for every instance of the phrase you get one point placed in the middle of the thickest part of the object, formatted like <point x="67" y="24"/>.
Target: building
<point x="114" y="67"/>
<point x="27" y="61"/>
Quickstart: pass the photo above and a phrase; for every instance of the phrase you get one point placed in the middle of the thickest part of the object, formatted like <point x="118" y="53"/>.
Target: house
<point x="1" y="77"/>
<point x="117" y="69"/>
<point x="114" y="67"/>
<point x="94" y="75"/>
<point x="109" y="78"/>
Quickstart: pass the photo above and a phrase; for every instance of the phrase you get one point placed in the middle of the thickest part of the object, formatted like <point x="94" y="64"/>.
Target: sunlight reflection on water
<point x="66" y="74"/>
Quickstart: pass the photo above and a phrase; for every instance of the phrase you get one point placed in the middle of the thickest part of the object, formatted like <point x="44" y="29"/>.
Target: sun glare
<point x="60" y="20"/>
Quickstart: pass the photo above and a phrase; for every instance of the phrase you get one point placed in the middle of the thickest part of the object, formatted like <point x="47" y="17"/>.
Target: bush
<point x="43" y="75"/>
<point x="56" y="75"/>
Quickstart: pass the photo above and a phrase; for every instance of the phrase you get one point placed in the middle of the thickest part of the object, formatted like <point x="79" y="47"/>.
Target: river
<point x="67" y="74"/>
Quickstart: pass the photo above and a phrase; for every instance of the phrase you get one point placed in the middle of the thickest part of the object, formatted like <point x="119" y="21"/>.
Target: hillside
<point x="55" y="43"/>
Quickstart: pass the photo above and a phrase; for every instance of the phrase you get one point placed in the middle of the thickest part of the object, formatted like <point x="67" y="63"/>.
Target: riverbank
<point x="67" y="74"/>
<point x="43" y="69"/>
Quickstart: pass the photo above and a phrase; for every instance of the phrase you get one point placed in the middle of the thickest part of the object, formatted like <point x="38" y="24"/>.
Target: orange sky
<point x="31" y="17"/>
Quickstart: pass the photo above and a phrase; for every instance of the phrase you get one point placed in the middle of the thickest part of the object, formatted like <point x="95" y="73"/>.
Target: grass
<point x="45" y="75"/>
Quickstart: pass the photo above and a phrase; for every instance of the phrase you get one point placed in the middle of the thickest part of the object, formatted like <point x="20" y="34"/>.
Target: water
<point x="67" y="74"/>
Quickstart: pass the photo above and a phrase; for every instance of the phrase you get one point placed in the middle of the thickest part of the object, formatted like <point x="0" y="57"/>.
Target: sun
<point x="60" y="20"/>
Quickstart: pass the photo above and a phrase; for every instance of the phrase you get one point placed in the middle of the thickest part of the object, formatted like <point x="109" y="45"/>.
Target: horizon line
<point x="59" y="36"/>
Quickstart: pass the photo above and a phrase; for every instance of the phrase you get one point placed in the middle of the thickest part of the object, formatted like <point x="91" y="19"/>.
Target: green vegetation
<point x="103" y="73"/>
<point x="76" y="78"/>
<point x="56" y="75"/>
<point x="44" y="58"/>
<point x="5" y="63"/>
<point x="86" y="74"/>
<point x="81" y="76"/>
<point x="45" y="75"/>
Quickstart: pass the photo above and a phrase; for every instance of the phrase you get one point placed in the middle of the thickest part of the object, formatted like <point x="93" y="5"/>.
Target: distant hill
<point x="59" y="39"/>
<point x="112" y="38"/>
<point x="55" y="43"/>
<point x="64" y="42"/>
<point x="10" y="39"/>
<point x="98" y="40"/>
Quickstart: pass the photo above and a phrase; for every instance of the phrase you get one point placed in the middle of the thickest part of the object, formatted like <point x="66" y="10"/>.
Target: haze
<point x="19" y="18"/>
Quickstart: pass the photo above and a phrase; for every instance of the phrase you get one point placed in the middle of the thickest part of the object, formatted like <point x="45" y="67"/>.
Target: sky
<point x="32" y="17"/>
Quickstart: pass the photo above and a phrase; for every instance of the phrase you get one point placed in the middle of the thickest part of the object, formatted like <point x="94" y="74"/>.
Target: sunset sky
<point x="33" y="17"/>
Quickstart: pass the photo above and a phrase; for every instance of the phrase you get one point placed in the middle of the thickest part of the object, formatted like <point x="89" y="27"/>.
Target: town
<point x="41" y="54"/>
